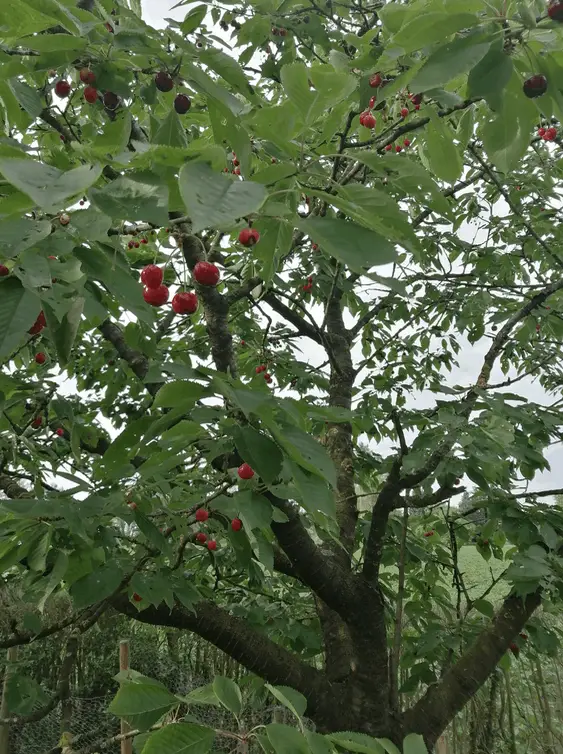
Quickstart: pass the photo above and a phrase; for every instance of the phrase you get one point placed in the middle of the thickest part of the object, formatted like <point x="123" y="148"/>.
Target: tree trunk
<point x="11" y="658"/>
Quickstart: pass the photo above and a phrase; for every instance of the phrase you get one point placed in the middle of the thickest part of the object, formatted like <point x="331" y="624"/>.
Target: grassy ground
<point x="478" y="574"/>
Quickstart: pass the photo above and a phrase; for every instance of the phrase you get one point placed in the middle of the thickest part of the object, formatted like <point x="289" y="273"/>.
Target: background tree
<point x="323" y="290"/>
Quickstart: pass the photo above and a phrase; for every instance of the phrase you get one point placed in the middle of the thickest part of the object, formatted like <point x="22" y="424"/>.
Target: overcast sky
<point x="470" y="357"/>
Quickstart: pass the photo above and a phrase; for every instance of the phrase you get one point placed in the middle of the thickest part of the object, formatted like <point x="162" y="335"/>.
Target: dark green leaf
<point x="18" y="311"/>
<point x="180" y="738"/>
<point x="228" y="693"/>
<point x="142" y="704"/>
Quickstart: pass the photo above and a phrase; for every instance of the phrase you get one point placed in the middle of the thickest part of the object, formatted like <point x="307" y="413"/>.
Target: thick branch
<point x="442" y="701"/>
<point x="303" y="327"/>
<point x="239" y="640"/>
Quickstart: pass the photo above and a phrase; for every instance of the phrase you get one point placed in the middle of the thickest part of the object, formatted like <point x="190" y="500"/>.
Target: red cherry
<point x="182" y="104"/>
<point x="144" y="240"/>
<point x="164" y="82"/>
<point x="137" y="597"/>
<point x="62" y="88"/>
<point x="389" y="147"/>
<point x="236" y="163"/>
<point x="416" y="99"/>
<point x="111" y="101"/>
<point x="535" y="86"/>
<point x="87" y="76"/>
<point x="523" y="636"/>
<point x="38" y="325"/>
<point x="315" y="247"/>
<point x="206" y="273"/>
<point x="245" y="471"/>
<point x="236" y="524"/>
<point x="152" y="276"/>
<point x="541" y="132"/>
<point x="236" y="171"/>
<point x="245" y="237"/>
<point x="91" y="94"/>
<point x="136" y="244"/>
<point x="156" y="296"/>
<point x="268" y="378"/>
<point x="4" y="271"/>
<point x="130" y="244"/>
<point x="407" y="142"/>
<point x="375" y="81"/>
<point x="60" y="432"/>
<point x="551" y="134"/>
<point x="417" y="107"/>
<point x="555" y="11"/>
<point x="372" y="102"/>
<point x="37" y="422"/>
<point x="133" y="506"/>
<point x="184" y="303"/>
<point x="201" y="515"/>
<point x="429" y="533"/>
<point x="404" y="112"/>
<point x="367" y="119"/>
<point x="40" y="358"/>
<point x="243" y="342"/>
<point x="514" y="648"/>
<point x="201" y="537"/>
<point x="260" y="369"/>
<point x="398" y="148"/>
<point x="212" y="544"/>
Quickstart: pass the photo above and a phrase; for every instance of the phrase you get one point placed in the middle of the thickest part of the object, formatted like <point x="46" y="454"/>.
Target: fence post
<point x="442" y="745"/>
<point x="127" y="743"/>
<point x="11" y="657"/>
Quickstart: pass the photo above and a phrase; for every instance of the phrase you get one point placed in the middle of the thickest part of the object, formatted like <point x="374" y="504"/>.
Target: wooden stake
<point x="11" y="657"/>
<point x="127" y="743"/>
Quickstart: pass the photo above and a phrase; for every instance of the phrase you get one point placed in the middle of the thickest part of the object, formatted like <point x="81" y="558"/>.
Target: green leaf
<point x="213" y="200"/>
<point x="115" y="135"/>
<point x="388" y="746"/>
<point x="295" y="81"/>
<point x="99" y="263"/>
<point x="55" y="578"/>
<point x="484" y="607"/>
<point x="127" y="199"/>
<point x="142" y="704"/>
<point x="205" y="84"/>
<point x="22" y="19"/>
<point x="286" y="740"/>
<point x="228" y="68"/>
<point x="18" y="311"/>
<point x="260" y="452"/>
<point x="46" y="185"/>
<point x="204" y="695"/>
<point x="96" y="586"/>
<point x="414" y="744"/>
<point x="63" y="333"/>
<point x="171" y="132"/>
<point x="491" y="74"/>
<point x="180" y="393"/>
<point x="193" y="19"/>
<point x="428" y="28"/>
<point x="228" y="693"/>
<point x="450" y="61"/>
<point x="357" y="247"/>
<point x="17" y="235"/>
<point x="180" y="738"/>
<point x="28" y="97"/>
<point x="357" y="742"/>
<point x="290" y="698"/>
<point x="315" y="495"/>
<point x="443" y="156"/>
<point x="305" y="450"/>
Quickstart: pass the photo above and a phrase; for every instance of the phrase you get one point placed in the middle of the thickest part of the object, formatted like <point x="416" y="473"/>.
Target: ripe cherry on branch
<point x="184" y="303"/>
<point x="38" y="325"/>
<point x="40" y="357"/>
<point x="111" y="101"/>
<point x="429" y="533"/>
<point x="37" y="422"/>
<point x="60" y="432"/>
<point x="164" y="82"/>
<point x="535" y="86"/>
<point x="87" y="76"/>
<point x="201" y="537"/>
<point x="367" y="119"/>
<point x="201" y="515"/>
<point x="156" y="296"/>
<point x="236" y="524"/>
<point x="62" y="88"/>
<point x="4" y="271"/>
<point x="259" y="369"/>
<point x="212" y="544"/>
<point x="404" y="112"/>
<point x="137" y="597"/>
<point x="248" y="236"/>
<point x="206" y="273"/>
<point x="375" y="81"/>
<point x="91" y="94"/>
<point x="245" y="471"/>
<point x="555" y="12"/>
<point x="182" y="104"/>
<point x="152" y="276"/>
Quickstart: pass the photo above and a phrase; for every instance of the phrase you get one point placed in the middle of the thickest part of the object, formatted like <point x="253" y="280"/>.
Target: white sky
<point x="470" y="357"/>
